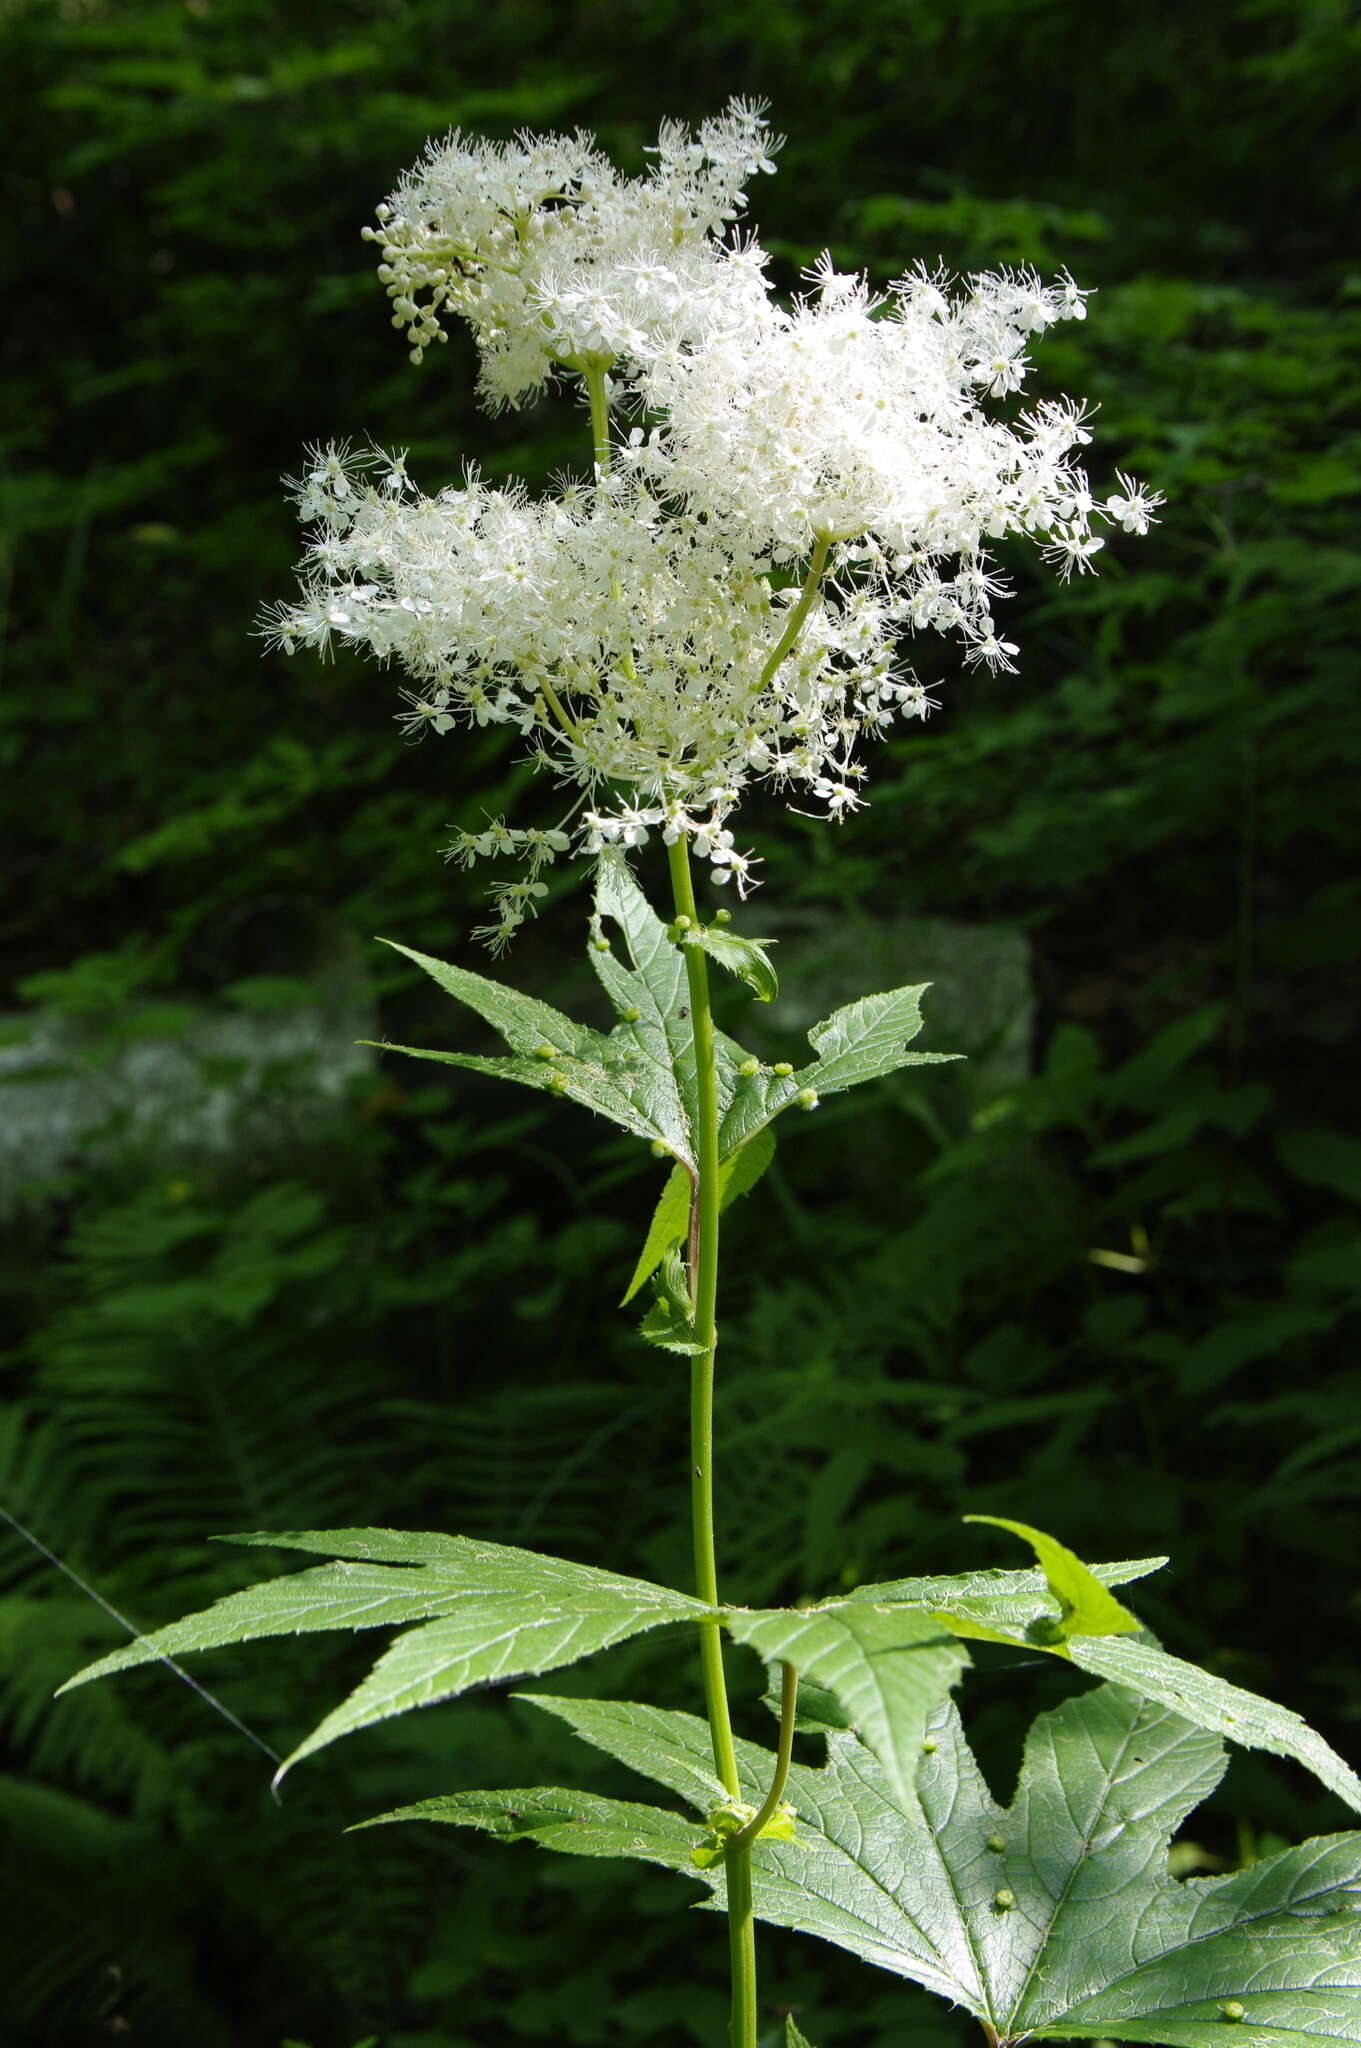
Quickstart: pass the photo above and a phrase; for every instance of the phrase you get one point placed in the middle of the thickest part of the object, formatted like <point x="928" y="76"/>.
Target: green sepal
<point x="746" y="958"/>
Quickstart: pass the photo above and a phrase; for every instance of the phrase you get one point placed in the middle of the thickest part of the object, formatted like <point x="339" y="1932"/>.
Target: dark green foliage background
<point x="398" y="1307"/>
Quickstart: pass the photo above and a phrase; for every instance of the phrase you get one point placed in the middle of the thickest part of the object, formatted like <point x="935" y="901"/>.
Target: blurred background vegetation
<point x="1103" y="1282"/>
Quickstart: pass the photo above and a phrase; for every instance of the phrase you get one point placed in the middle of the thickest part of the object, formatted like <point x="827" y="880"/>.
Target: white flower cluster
<point x="723" y="604"/>
<point x="555" y="260"/>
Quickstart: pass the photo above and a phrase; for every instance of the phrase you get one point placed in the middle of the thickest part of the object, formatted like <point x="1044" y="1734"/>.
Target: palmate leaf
<point x="1054" y="1920"/>
<point x="490" y="1613"/>
<point x="888" y="1654"/>
<point x="860" y="1042"/>
<point x="1065" y="1625"/>
<point x="616" y="1076"/>
<point x="888" y="1667"/>
<point x="641" y="1075"/>
<point x="1212" y="1702"/>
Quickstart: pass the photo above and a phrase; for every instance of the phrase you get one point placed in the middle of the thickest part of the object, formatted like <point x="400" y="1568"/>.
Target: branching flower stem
<point x="794" y="623"/>
<point x="594" y="375"/>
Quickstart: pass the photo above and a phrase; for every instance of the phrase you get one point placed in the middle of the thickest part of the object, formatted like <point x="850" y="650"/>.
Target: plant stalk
<point x="789" y="1699"/>
<point x="705" y="1283"/>
<point x="704" y="1280"/>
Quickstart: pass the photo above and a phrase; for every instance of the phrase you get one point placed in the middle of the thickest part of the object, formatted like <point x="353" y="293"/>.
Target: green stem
<point x="594" y="373"/>
<point x="794" y="623"/>
<point x="789" y="1698"/>
<point x="737" y="1866"/>
<point x="705" y="1283"/>
<point x="559" y="710"/>
<point x="704" y="1279"/>
<point x="741" y="1948"/>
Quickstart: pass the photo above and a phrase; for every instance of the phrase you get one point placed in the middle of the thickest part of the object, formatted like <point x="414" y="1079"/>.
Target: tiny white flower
<point x="1133" y="507"/>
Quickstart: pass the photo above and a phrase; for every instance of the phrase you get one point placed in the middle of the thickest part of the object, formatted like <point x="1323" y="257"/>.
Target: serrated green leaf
<point x="1086" y="1607"/>
<point x="669" y="1226"/>
<point x="662" y="1327"/>
<point x="792" y="2037"/>
<point x="746" y="958"/>
<point x="1211" y="1702"/>
<point x="996" y="1605"/>
<point x="888" y="1666"/>
<point x="579" y="1823"/>
<point x="842" y="1877"/>
<point x="491" y="1613"/>
<point x="332" y="1596"/>
<point x="670" y="1223"/>
<point x="653" y="982"/>
<point x="1019" y="1608"/>
<point x="859" y="1042"/>
<point x="1057" y="1919"/>
<point x="670" y="1322"/>
<point x="741" y="1170"/>
<point x="819" y="1711"/>
<point x="617" y="1075"/>
<point x="642" y="1074"/>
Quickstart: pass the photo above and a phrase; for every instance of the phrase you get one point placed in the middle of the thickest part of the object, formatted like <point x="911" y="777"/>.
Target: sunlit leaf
<point x="490" y="1613"/>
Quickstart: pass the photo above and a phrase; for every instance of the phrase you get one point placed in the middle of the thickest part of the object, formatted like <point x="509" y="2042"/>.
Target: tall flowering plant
<point x="781" y="496"/>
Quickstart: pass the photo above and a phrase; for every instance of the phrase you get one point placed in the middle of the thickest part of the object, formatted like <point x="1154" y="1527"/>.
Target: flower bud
<point x="783" y="1069"/>
<point x="749" y="1068"/>
<point x="807" y="1098"/>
